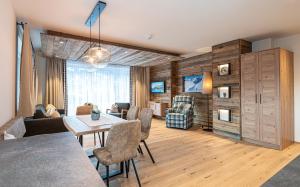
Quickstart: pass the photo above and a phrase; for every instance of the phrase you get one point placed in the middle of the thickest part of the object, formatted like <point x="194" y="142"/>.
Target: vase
<point x="95" y="116"/>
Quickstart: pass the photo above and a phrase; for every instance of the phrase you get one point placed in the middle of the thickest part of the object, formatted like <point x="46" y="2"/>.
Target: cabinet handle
<point x="260" y="98"/>
<point x="255" y="98"/>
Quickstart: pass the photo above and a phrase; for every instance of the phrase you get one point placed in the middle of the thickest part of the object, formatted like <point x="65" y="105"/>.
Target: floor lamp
<point x="207" y="89"/>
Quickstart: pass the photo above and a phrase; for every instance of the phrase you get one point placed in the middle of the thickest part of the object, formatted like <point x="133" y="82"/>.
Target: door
<point x="249" y="96"/>
<point x="269" y="95"/>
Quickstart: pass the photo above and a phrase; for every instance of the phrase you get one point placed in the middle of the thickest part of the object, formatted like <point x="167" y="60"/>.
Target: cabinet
<point x="158" y="108"/>
<point x="267" y="99"/>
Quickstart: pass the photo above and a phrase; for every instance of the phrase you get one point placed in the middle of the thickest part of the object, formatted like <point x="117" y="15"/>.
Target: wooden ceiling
<point x="71" y="47"/>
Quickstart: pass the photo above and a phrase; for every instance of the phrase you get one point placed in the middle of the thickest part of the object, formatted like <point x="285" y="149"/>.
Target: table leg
<point x="81" y="140"/>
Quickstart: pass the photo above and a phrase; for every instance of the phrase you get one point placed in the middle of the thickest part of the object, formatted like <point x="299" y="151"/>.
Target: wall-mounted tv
<point x="158" y="87"/>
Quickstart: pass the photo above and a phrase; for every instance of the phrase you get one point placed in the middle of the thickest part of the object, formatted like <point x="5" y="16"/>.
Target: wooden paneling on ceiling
<point x="73" y="48"/>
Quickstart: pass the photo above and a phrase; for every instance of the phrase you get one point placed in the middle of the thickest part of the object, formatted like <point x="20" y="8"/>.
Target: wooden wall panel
<point x="195" y="66"/>
<point x="228" y="53"/>
<point x="173" y="74"/>
<point x="162" y="73"/>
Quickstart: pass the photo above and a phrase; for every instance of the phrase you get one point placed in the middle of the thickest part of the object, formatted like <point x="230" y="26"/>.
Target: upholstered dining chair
<point x="146" y="119"/>
<point x="132" y="113"/>
<point x="86" y="109"/>
<point x="121" y="145"/>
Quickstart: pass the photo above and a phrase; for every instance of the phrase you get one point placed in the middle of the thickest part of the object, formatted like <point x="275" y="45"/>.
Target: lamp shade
<point x="207" y="83"/>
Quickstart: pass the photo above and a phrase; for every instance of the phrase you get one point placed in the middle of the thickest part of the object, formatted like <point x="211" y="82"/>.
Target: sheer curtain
<point x="102" y="86"/>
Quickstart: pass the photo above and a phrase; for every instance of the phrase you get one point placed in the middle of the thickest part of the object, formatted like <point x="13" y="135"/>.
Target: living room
<point x="194" y="93"/>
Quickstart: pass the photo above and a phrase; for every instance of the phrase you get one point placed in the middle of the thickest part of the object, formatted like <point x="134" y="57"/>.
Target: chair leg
<point x="126" y="168"/>
<point x="94" y="139"/>
<point x="107" y="176"/>
<point x="148" y="151"/>
<point x="99" y="138"/>
<point x="136" y="173"/>
<point x="97" y="166"/>
<point x="141" y="150"/>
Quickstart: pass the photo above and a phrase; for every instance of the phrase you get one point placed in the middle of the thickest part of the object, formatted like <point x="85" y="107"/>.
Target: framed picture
<point x="224" y="69"/>
<point x="192" y="83"/>
<point x="224" y="115"/>
<point x="224" y="92"/>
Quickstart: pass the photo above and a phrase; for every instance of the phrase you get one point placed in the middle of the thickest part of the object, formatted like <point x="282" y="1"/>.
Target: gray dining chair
<point x="133" y="113"/>
<point x="121" y="145"/>
<point x="146" y="119"/>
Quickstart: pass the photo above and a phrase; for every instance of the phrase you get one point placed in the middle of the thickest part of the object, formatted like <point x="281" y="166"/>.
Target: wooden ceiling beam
<point x="76" y="37"/>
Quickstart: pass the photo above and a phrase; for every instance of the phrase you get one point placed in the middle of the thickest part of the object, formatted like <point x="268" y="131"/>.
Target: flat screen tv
<point x="158" y="87"/>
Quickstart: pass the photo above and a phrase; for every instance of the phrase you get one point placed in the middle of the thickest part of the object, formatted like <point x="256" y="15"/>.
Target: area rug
<point x="289" y="176"/>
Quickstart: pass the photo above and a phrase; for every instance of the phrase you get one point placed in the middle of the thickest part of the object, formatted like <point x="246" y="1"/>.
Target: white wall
<point x="7" y="61"/>
<point x="291" y="43"/>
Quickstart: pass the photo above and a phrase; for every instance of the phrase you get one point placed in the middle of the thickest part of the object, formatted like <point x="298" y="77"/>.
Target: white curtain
<point x="102" y="86"/>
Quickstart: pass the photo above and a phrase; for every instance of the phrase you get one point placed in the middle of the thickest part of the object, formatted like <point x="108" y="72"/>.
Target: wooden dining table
<point x="84" y="125"/>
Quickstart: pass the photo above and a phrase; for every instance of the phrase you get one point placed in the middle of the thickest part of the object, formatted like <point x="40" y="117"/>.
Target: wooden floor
<point x="197" y="158"/>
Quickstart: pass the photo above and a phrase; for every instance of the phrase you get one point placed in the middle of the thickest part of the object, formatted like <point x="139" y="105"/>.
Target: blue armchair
<point x="181" y="113"/>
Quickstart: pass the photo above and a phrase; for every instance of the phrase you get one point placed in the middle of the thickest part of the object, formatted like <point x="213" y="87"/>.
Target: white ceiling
<point x="176" y="25"/>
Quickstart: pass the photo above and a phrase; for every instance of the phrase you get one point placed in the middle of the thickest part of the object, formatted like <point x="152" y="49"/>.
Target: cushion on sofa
<point x="16" y="127"/>
<point x="8" y="136"/>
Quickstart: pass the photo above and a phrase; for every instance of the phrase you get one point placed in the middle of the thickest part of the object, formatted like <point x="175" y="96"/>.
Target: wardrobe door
<point x="269" y="96"/>
<point x="249" y="96"/>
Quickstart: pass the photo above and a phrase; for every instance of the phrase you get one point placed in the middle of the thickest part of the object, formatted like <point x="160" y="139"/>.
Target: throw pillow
<point x="50" y="109"/>
<point x="114" y="108"/>
<point x="50" y="106"/>
<point x="179" y="108"/>
<point x="8" y="136"/>
<point x="55" y="114"/>
<point x="16" y="127"/>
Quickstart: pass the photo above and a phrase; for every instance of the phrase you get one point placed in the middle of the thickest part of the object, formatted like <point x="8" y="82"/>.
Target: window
<point x="18" y="65"/>
<point x="102" y="87"/>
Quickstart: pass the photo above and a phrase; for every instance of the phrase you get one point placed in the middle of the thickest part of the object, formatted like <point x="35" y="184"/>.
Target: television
<point x="158" y="87"/>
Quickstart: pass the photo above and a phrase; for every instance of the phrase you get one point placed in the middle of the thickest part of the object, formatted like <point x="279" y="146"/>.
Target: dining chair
<point x="132" y="113"/>
<point x="146" y="119"/>
<point x="86" y="109"/>
<point x="121" y="145"/>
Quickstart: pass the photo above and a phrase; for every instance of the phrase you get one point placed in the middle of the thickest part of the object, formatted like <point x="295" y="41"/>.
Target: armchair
<point x="181" y="113"/>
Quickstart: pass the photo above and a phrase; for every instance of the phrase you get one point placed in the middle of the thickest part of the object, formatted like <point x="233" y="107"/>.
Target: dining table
<point x="81" y="125"/>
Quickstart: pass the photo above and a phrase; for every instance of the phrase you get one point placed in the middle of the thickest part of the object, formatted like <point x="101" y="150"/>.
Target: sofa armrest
<point x="44" y="126"/>
<point x="108" y="111"/>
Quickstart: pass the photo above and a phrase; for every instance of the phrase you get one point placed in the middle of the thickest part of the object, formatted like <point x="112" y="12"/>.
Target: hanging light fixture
<point x="97" y="55"/>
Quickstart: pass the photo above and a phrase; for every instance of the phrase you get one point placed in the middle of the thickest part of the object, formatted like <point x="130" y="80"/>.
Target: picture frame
<point x="224" y="69"/>
<point x="192" y="84"/>
<point x="224" y="115"/>
<point x="224" y="92"/>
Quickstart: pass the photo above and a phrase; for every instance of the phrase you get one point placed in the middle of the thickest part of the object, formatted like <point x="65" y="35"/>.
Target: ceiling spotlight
<point x="61" y="42"/>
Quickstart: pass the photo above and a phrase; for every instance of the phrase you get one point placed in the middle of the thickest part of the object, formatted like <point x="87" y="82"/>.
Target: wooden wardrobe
<point x="267" y="98"/>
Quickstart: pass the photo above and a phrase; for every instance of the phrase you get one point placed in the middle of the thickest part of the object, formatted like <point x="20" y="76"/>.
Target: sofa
<point x="41" y="123"/>
<point x="122" y="110"/>
<point x="181" y="114"/>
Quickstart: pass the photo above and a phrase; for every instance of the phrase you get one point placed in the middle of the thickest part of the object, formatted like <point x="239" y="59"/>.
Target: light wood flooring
<point x="197" y="158"/>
